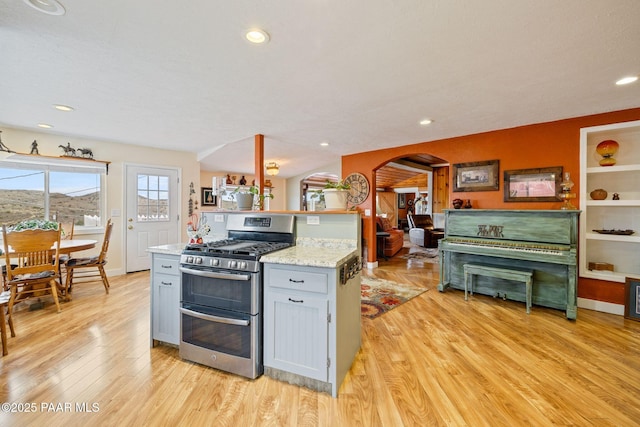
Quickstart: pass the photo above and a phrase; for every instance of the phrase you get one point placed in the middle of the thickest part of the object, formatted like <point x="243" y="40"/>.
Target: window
<point x="153" y="198"/>
<point x="58" y="192"/>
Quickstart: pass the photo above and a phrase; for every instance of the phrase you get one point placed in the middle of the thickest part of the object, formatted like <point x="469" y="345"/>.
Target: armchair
<point x="395" y="239"/>
<point x="422" y="232"/>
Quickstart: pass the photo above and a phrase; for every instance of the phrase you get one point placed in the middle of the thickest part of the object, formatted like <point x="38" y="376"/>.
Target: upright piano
<point x="543" y="241"/>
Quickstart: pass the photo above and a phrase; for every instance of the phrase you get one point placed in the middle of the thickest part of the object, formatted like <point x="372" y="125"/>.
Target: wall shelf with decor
<point x="616" y="219"/>
<point x="63" y="161"/>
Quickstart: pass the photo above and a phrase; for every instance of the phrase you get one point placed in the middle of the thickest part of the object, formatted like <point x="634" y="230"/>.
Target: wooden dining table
<point x="76" y="245"/>
<point x="73" y="245"/>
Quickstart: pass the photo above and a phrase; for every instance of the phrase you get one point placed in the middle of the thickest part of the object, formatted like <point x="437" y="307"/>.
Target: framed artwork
<point x="207" y="197"/>
<point x="402" y="201"/>
<point x="632" y="299"/>
<point x="476" y="176"/>
<point x="533" y="185"/>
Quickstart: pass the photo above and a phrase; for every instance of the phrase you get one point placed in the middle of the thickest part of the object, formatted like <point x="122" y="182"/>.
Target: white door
<point x="152" y="212"/>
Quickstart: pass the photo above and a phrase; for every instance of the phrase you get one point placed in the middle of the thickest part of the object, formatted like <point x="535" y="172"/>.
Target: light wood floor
<point x="436" y="360"/>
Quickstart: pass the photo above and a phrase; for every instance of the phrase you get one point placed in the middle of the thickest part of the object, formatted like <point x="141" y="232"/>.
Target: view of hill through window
<point x="73" y="197"/>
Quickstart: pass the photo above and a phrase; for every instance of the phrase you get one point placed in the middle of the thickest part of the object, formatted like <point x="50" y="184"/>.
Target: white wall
<point x="118" y="154"/>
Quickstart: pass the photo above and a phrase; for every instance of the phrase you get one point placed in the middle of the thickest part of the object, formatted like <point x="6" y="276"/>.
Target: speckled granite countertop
<point x="171" y="249"/>
<point x="314" y="252"/>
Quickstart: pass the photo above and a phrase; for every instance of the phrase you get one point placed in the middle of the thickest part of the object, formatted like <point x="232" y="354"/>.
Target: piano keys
<point x="544" y="241"/>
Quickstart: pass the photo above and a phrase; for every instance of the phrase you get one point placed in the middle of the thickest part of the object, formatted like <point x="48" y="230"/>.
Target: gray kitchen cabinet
<point x="312" y="325"/>
<point x="165" y="298"/>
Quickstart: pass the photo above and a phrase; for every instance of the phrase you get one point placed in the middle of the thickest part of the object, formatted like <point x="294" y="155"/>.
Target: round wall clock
<point x="359" y="188"/>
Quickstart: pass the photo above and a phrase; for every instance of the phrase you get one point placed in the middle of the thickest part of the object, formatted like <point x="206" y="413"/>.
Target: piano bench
<point x="500" y="272"/>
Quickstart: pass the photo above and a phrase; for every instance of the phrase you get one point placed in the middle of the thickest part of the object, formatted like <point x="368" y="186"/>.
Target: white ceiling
<point x="356" y="74"/>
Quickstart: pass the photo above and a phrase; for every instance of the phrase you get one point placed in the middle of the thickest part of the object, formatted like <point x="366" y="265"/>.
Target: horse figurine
<point x="86" y="152"/>
<point x="68" y="149"/>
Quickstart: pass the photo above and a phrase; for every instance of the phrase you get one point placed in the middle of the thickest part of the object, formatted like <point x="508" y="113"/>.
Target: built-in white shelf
<point x="623" y="178"/>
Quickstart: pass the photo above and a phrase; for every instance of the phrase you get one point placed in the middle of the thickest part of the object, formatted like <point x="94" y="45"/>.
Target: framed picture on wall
<point x="402" y="201"/>
<point x="632" y="299"/>
<point x="533" y="185"/>
<point x="476" y="176"/>
<point x="207" y="197"/>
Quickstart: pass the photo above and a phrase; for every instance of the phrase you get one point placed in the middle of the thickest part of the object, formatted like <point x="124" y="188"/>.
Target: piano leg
<point x="444" y="275"/>
<point x="572" y="297"/>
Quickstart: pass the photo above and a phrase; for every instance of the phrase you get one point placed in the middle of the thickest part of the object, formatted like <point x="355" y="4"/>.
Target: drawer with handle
<point x="166" y="265"/>
<point x="300" y="280"/>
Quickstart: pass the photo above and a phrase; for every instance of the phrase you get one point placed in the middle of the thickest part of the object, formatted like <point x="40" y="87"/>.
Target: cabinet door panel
<point x="297" y="334"/>
<point x="166" y="308"/>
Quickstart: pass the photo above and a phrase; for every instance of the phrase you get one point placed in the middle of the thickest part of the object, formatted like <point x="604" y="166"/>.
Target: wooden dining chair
<point x="66" y="234"/>
<point x="67" y="231"/>
<point x="96" y="263"/>
<point x="4" y="303"/>
<point x="31" y="257"/>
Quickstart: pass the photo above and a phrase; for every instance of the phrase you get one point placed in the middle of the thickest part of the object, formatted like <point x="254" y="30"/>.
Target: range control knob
<point x="198" y="260"/>
<point x="215" y="262"/>
<point x="242" y="265"/>
<point x="189" y="259"/>
<point x="233" y="264"/>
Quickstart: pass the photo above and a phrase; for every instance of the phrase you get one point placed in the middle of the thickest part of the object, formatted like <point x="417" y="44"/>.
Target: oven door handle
<point x="238" y="322"/>
<point x="215" y="275"/>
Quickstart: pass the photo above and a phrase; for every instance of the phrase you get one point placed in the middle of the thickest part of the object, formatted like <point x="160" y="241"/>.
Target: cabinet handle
<point x="296" y="281"/>
<point x="165" y="266"/>
<point x="296" y="300"/>
<point x="166" y="283"/>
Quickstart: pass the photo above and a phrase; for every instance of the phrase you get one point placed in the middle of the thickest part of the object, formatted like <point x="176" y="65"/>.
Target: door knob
<point x="130" y="219"/>
<point x="130" y="227"/>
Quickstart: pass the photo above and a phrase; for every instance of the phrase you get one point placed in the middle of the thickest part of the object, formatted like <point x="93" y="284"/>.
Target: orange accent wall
<point x="533" y="146"/>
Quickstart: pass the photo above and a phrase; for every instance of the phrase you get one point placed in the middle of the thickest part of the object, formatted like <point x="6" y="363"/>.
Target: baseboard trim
<point x="605" y="307"/>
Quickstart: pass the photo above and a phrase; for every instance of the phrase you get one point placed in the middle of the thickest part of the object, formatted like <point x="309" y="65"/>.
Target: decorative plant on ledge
<point x="246" y="197"/>
<point x="339" y="185"/>
<point x="335" y="195"/>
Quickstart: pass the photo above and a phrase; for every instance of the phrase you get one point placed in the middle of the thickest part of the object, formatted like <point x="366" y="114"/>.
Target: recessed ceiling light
<point x="50" y="7"/>
<point x="626" y="80"/>
<point x="44" y="125"/>
<point x="61" y="107"/>
<point x="426" y="122"/>
<point x="324" y="144"/>
<point x="257" y="36"/>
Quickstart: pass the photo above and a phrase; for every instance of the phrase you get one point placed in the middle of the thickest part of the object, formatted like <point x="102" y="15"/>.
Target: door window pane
<point x="153" y="198"/>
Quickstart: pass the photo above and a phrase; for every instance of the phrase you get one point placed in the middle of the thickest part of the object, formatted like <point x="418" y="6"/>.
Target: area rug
<point x="429" y="255"/>
<point x="380" y="296"/>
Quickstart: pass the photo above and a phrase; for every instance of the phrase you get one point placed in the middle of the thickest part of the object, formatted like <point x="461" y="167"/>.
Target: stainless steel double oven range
<point x="222" y="293"/>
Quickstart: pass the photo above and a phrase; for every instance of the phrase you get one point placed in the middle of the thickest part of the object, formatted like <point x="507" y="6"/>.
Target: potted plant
<point x="335" y="195"/>
<point x="246" y="197"/>
<point x="31" y="224"/>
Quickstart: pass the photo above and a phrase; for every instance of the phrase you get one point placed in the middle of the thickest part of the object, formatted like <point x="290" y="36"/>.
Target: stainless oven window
<point x="229" y="294"/>
<point x="217" y="330"/>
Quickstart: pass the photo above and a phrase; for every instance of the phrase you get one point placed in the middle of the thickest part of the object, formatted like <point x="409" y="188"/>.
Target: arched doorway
<point x="417" y="183"/>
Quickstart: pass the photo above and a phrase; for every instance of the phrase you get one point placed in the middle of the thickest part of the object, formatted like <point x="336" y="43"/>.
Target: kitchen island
<point x="312" y="312"/>
<point x="165" y="293"/>
<point x="311" y="294"/>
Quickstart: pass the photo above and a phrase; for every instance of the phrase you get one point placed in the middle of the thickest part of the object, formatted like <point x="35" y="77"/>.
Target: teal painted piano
<point x="544" y="241"/>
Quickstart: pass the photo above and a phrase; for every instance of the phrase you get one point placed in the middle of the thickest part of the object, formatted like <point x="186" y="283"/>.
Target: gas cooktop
<point x="231" y="247"/>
